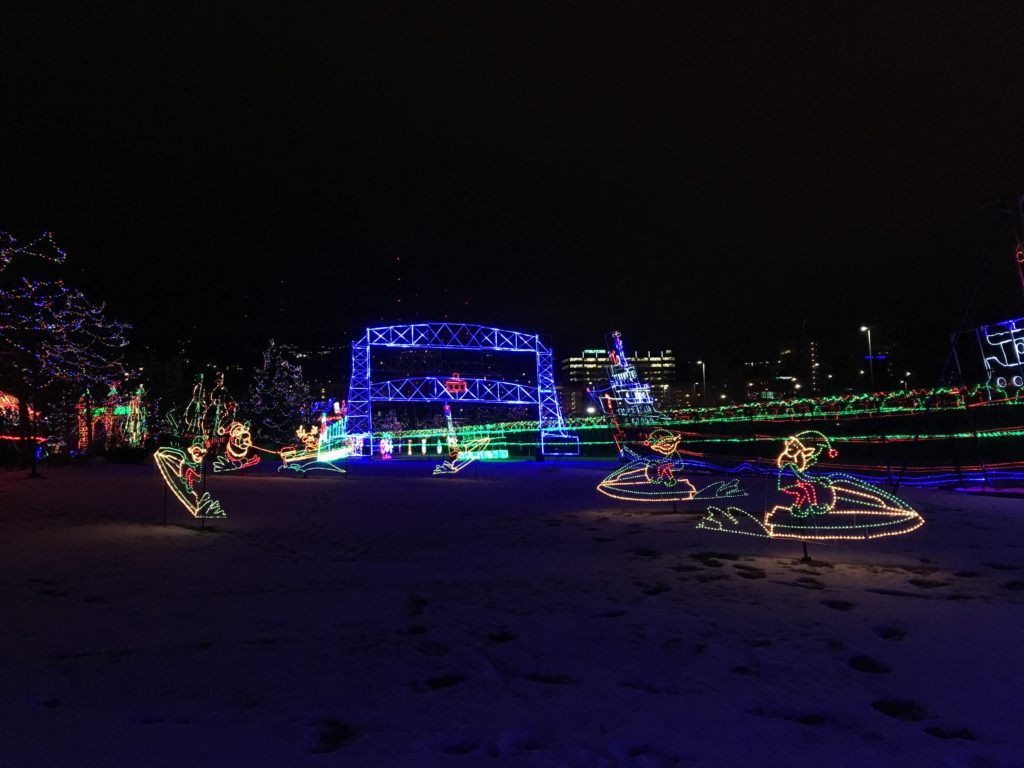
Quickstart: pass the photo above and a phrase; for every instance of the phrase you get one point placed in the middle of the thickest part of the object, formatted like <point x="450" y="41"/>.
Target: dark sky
<point x="710" y="177"/>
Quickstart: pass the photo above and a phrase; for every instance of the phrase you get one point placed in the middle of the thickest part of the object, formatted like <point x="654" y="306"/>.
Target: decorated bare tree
<point x="50" y="333"/>
<point x="278" y="398"/>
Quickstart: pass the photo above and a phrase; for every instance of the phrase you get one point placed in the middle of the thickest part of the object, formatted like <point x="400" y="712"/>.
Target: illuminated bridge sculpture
<point x="363" y="391"/>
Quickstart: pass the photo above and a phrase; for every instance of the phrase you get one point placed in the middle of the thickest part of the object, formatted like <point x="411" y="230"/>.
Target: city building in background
<point x="799" y="368"/>
<point x="657" y="369"/>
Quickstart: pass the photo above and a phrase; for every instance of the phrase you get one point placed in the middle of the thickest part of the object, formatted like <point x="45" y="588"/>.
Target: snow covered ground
<point x="508" y="616"/>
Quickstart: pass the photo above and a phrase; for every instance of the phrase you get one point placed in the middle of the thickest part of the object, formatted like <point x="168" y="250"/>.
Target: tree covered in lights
<point x="50" y="333"/>
<point x="278" y="398"/>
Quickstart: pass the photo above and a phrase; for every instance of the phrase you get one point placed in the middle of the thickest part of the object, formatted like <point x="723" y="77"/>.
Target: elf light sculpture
<point x="661" y="477"/>
<point x="182" y="467"/>
<point x="182" y="471"/>
<point x="661" y="480"/>
<point x="822" y="507"/>
<point x="459" y="456"/>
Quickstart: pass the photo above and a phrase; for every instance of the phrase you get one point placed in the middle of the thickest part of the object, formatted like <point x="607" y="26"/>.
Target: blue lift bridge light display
<point x="363" y="391"/>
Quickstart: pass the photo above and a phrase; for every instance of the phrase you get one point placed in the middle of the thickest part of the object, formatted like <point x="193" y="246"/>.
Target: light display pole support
<point x="363" y="391"/>
<point x="871" y="357"/>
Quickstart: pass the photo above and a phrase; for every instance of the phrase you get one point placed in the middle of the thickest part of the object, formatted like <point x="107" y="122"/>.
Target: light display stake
<point x="825" y="507"/>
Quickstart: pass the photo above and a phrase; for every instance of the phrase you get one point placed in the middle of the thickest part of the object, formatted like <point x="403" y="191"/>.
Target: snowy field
<point x="509" y="616"/>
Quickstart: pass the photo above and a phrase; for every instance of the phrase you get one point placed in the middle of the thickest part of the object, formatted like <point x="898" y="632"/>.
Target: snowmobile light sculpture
<point x="661" y="479"/>
<point x="822" y="507"/>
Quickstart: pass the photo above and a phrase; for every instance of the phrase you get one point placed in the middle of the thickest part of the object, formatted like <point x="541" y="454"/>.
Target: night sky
<point x="706" y="178"/>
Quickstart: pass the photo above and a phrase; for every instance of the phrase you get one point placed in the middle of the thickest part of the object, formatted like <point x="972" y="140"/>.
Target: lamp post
<point x="703" y="381"/>
<point x="871" y="357"/>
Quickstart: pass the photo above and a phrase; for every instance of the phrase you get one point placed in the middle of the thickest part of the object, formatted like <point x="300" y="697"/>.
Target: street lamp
<point x="871" y="356"/>
<point x="704" y="381"/>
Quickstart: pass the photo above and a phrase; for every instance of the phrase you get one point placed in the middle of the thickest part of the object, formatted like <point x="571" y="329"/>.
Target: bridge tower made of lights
<point x="363" y="391"/>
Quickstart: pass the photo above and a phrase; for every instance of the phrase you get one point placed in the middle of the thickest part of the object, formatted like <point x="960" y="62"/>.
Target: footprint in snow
<point x="901" y="709"/>
<point x="868" y="665"/>
<point x="839" y="605"/>
<point x="331" y="735"/>
<point x="890" y="633"/>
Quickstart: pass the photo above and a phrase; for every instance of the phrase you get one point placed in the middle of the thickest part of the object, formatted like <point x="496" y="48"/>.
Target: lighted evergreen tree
<point x="278" y="398"/>
<point x="51" y="333"/>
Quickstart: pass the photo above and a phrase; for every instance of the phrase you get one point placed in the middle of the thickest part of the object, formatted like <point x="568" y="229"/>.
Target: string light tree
<point x="51" y="334"/>
<point x="278" y="398"/>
